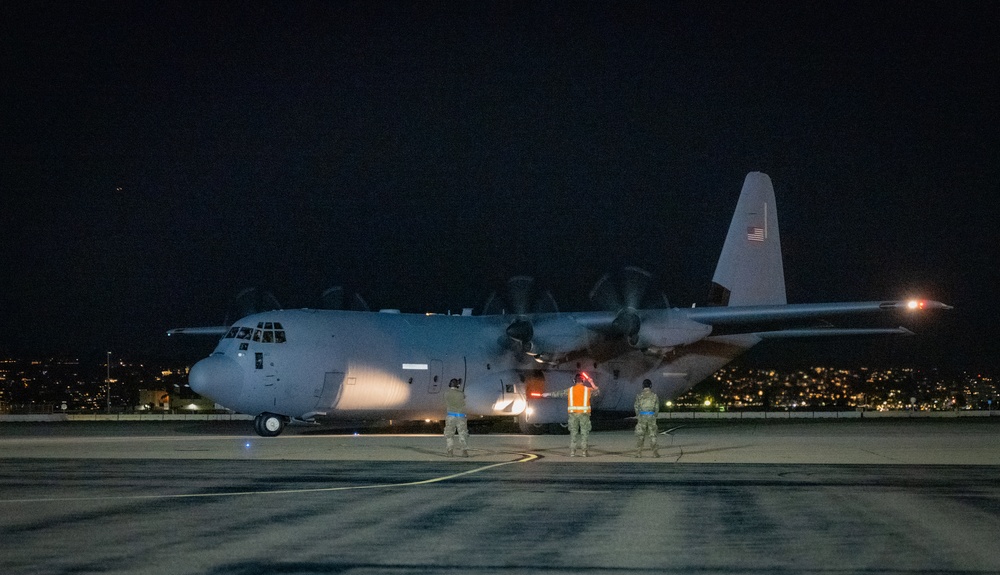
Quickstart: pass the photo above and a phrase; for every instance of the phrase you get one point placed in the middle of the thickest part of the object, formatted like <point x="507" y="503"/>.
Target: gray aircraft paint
<point x="389" y="365"/>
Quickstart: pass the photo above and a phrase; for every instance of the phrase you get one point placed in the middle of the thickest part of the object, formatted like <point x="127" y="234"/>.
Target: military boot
<point x="465" y="453"/>
<point x="656" y="452"/>
<point x="572" y="452"/>
<point x="451" y="451"/>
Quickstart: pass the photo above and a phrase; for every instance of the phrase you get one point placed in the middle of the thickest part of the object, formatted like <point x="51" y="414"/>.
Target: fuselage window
<point x="245" y="333"/>
<point x="268" y="336"/>
<point x="233" y="332"/>
<point x="256" y="335"/>
<point x="268" y="325"/>
<point x="279" y="336"/>
<point x="277" y="326"/>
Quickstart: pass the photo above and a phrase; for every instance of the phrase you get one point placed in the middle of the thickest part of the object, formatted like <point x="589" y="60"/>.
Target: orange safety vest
<point x="579" y="399"/>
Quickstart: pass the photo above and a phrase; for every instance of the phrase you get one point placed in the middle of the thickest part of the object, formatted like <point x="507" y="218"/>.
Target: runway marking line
<point x="526" y="457"/>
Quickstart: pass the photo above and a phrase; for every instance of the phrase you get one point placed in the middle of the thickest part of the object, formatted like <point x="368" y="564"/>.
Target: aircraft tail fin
<point x="750" y="271"/>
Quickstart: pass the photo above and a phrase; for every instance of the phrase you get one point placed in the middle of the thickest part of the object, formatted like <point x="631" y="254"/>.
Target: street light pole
<point x="107" y="381"/>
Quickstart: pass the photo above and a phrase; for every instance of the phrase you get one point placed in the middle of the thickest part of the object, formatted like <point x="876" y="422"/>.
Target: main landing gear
<point x="269" y="424"/>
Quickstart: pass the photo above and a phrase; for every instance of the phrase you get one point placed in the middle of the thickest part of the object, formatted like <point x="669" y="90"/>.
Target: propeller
<point x="626" y="290"/>
<point x="250" y="301"/>
<point x="520" y="299"/>
<point x="333" y="298"/>
<point x="625" y="294"/>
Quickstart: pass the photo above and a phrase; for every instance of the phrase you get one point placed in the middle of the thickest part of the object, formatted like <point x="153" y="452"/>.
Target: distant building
<point x="153" y="400"/>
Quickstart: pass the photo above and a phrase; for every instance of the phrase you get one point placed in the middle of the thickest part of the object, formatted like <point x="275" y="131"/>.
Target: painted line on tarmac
<point x="525" y="458"/>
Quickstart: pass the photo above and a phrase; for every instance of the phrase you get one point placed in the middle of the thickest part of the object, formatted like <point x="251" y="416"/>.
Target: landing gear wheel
<point x="268" y="424"/>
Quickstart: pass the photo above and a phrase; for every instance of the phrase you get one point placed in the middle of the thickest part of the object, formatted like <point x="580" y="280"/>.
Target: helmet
<point x="580" y="377"/>
<point x="647" y="383"/>
<point x="454" y="382"/>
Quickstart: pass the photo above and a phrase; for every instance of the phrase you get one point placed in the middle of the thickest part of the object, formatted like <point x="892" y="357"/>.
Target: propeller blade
<point x="634" y="283"/>
<point x="250" y="301"/>
<point x="519" y="291"/>
<point x="546" y="304"/>
<point x="494" y="305"/>
<point x="359" y="303"/>
<point x="604" y="295"/>
<point x="332" y="298"/>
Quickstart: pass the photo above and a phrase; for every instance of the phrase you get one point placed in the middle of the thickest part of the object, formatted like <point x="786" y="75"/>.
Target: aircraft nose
<point x="218" y="378"/>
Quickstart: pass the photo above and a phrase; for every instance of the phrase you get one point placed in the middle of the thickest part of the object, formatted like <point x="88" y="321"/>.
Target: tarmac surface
<point x="796" y="496"/>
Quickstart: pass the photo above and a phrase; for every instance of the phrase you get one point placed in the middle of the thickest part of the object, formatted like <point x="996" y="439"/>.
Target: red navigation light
<point x="916" y="304"/>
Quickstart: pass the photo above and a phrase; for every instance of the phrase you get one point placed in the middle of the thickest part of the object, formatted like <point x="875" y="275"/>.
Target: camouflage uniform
<point x="455" y="422"/>
<point x="579" y="422"/>
<point x="647" y="405"/>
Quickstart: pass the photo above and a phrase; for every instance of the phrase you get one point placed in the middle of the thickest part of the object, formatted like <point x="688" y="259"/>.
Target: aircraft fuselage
<point x="363" y="365"/>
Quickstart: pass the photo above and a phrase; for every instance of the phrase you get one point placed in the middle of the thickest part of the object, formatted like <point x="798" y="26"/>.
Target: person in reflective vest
<point x="578" y="407"/>
<point x="455" y="421"/>
<point x="647" y="405"/>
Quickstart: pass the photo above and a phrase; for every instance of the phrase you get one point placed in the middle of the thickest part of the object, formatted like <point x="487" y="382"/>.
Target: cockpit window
<point x="272" y="332"/>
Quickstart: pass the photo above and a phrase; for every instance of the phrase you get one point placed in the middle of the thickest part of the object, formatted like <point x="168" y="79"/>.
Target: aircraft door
<point x="329" y="395"/>
<point x="437" y="369"/>
<point x="266" y="374"/>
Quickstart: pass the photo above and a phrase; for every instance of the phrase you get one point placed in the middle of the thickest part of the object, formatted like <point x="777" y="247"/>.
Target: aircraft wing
<point x="762" y="320"/>
<point x="213" y="330"/>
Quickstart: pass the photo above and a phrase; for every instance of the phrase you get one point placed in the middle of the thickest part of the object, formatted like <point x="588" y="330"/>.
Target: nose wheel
<point x="269" y="424"/>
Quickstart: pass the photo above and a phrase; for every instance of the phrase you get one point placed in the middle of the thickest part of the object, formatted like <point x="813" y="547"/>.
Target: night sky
<point x="158" y="157"/>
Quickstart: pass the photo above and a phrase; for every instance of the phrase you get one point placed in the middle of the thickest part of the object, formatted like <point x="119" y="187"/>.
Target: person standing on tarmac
<point x="647" y="405"/>
<point x="579" y="410"/>
<point x="455" y="422"/>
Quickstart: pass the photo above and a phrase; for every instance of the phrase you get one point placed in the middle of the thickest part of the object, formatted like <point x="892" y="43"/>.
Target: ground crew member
<point x="578" y="406"/>
<point x="647" y="405"/>
<point x="455" y="422"/>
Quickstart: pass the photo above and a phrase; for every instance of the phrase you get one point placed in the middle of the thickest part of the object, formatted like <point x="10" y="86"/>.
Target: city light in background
<point x="45" y="386"/>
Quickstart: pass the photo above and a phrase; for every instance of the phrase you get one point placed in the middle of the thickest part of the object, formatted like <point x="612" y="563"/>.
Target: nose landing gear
<point x="269" y="424"/>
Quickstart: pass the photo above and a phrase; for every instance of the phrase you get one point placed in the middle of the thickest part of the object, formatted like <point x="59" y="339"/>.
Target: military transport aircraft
<point x="309" y="364"/>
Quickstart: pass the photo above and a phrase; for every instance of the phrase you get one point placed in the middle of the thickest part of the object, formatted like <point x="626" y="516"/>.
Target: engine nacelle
<point x="559" y="335"/>
<point x="668" y="332"/>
